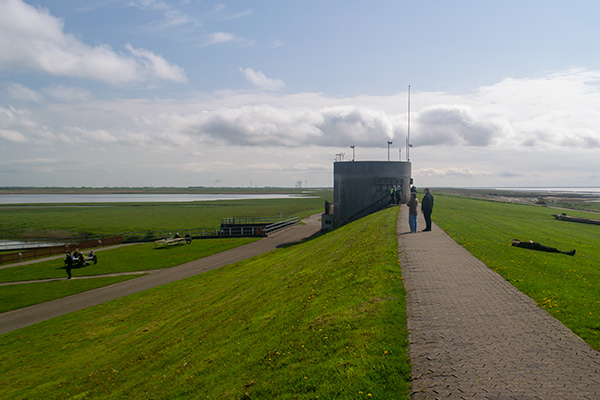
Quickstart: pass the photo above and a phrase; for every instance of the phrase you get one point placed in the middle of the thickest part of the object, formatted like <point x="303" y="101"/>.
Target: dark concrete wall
<point x="363" y="187"/>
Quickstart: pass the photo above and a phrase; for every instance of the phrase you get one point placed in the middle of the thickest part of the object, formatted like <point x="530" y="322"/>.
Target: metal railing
<point x="250" y="220"/>
<point x="371" y="208"/>
<point x="281" y="225"/>
<point x="90" y="241"/>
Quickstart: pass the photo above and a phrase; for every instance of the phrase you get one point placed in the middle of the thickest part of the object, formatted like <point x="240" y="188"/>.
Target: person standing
<point x="413" y="205"/>
<point x="427" y="209"/>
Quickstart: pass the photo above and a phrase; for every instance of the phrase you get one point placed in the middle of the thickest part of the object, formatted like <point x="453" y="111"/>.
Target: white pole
<point x="408" y="137"/>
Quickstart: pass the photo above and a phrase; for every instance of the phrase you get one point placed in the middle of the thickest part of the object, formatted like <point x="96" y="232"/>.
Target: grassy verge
<point x="567" y="287"/>
<point x="322" y="319"/>
<point x="13" y="297"/>
<point x="123" y="259"/>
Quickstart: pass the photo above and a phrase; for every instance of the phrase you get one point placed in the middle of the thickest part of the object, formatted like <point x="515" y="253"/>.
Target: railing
<point x="241" y="231"/>
<point x="281" y="225"/>
<point x="371" y="208"/>
<point x="256" y="229"/>
<point x="250" y="220"/>
<point x="238" y="230"/>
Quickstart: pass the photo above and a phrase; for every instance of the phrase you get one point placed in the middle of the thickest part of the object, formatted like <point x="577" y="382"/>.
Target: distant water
<point x="30" y="244"/>
<point x="594" y="191"/>
<point x="129" y="198"/>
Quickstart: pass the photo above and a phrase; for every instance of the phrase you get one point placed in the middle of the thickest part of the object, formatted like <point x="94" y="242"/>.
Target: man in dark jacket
<point x="537" y="246"/>
<point x="427" y="209"/>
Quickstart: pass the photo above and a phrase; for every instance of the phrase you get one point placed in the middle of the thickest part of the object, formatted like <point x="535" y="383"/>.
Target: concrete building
<point x="363" y="187"/>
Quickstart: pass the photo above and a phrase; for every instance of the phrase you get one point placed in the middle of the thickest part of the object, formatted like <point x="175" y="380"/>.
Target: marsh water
<point x="130" y="198"/>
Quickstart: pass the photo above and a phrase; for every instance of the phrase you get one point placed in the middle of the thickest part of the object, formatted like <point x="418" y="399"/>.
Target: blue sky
<point x="266" y="93"/>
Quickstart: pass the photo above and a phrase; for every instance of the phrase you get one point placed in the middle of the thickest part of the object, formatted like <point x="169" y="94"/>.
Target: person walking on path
<point x="427" y="209"/>
<point x="413" y="205"/>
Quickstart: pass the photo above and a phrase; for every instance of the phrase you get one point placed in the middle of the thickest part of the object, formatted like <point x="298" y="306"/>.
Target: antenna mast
<point x="408" y="136"/>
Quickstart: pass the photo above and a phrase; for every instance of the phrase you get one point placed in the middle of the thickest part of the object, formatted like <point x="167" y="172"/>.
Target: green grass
<point x="123" y="259"/>
<point x="17" y="296"/>
<point x="60" y="220"/>
<point x="129" y="258"/>
<point x="321" y="319"/>
<point x="567" y="287"/>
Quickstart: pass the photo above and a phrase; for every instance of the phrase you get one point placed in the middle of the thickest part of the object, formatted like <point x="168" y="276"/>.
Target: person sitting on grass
<point x="537" y="246"/>
<point x="77" y="258"/>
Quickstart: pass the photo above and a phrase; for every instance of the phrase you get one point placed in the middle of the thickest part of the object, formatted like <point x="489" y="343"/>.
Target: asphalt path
<point x="17" y="319"/>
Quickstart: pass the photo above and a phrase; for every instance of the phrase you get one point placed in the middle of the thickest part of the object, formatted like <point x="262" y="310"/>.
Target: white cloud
<point x="156" y="66"/>
<point x="12" y="136"/>
<point x="484" y="119"/>
<point x="455" y="125"/>
<point x="22" y="92"/>
<point x="68" y="94"/>
<point x="225" y="37"/>
<point x="506" y="132"/>
<point x="171" y="17"/>
<point x="32" y="39"/>
<point x="452" y="172"/>
<point x="258" y="79"/>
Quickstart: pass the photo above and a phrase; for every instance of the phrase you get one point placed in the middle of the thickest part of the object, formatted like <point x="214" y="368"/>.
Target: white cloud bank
<point x="541" y="130"/>
<point x="32" y="39"/>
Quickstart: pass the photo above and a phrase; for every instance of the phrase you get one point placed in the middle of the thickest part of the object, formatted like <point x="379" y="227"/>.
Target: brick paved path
<point x="475" y="336"/>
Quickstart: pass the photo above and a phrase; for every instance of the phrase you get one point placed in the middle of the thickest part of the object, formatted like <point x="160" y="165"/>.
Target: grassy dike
<point x="567" y="287"/>
<point x="132" y="258"/>
<point x="321" y="319"/>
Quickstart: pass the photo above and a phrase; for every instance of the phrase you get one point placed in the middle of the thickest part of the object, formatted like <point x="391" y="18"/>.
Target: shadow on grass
<point x="311" y="237"/>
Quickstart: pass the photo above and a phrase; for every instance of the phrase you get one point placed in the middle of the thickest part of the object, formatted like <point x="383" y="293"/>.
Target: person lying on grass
<point x="537" y="246"/>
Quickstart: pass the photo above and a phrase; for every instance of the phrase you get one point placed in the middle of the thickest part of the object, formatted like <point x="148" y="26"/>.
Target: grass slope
<point x="567" y="287"/>
<point x="322" y="319"/>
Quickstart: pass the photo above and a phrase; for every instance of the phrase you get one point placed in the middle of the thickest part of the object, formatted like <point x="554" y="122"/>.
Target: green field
<point x="567" y="287"/>
<point x="64" y="220"/>
<point x="321" y="319"/>
<point x="132" y="258"/>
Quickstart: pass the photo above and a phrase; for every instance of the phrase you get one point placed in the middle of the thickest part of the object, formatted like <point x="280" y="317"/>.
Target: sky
<point x="261" y="93"/>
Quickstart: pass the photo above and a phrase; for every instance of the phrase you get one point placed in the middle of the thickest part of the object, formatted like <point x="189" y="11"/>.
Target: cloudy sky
<point x="267" y="93"/>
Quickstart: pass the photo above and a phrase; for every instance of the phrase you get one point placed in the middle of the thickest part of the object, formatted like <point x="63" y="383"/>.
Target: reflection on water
<point x="33" y="244"/>
<point x="129" y="198"/>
